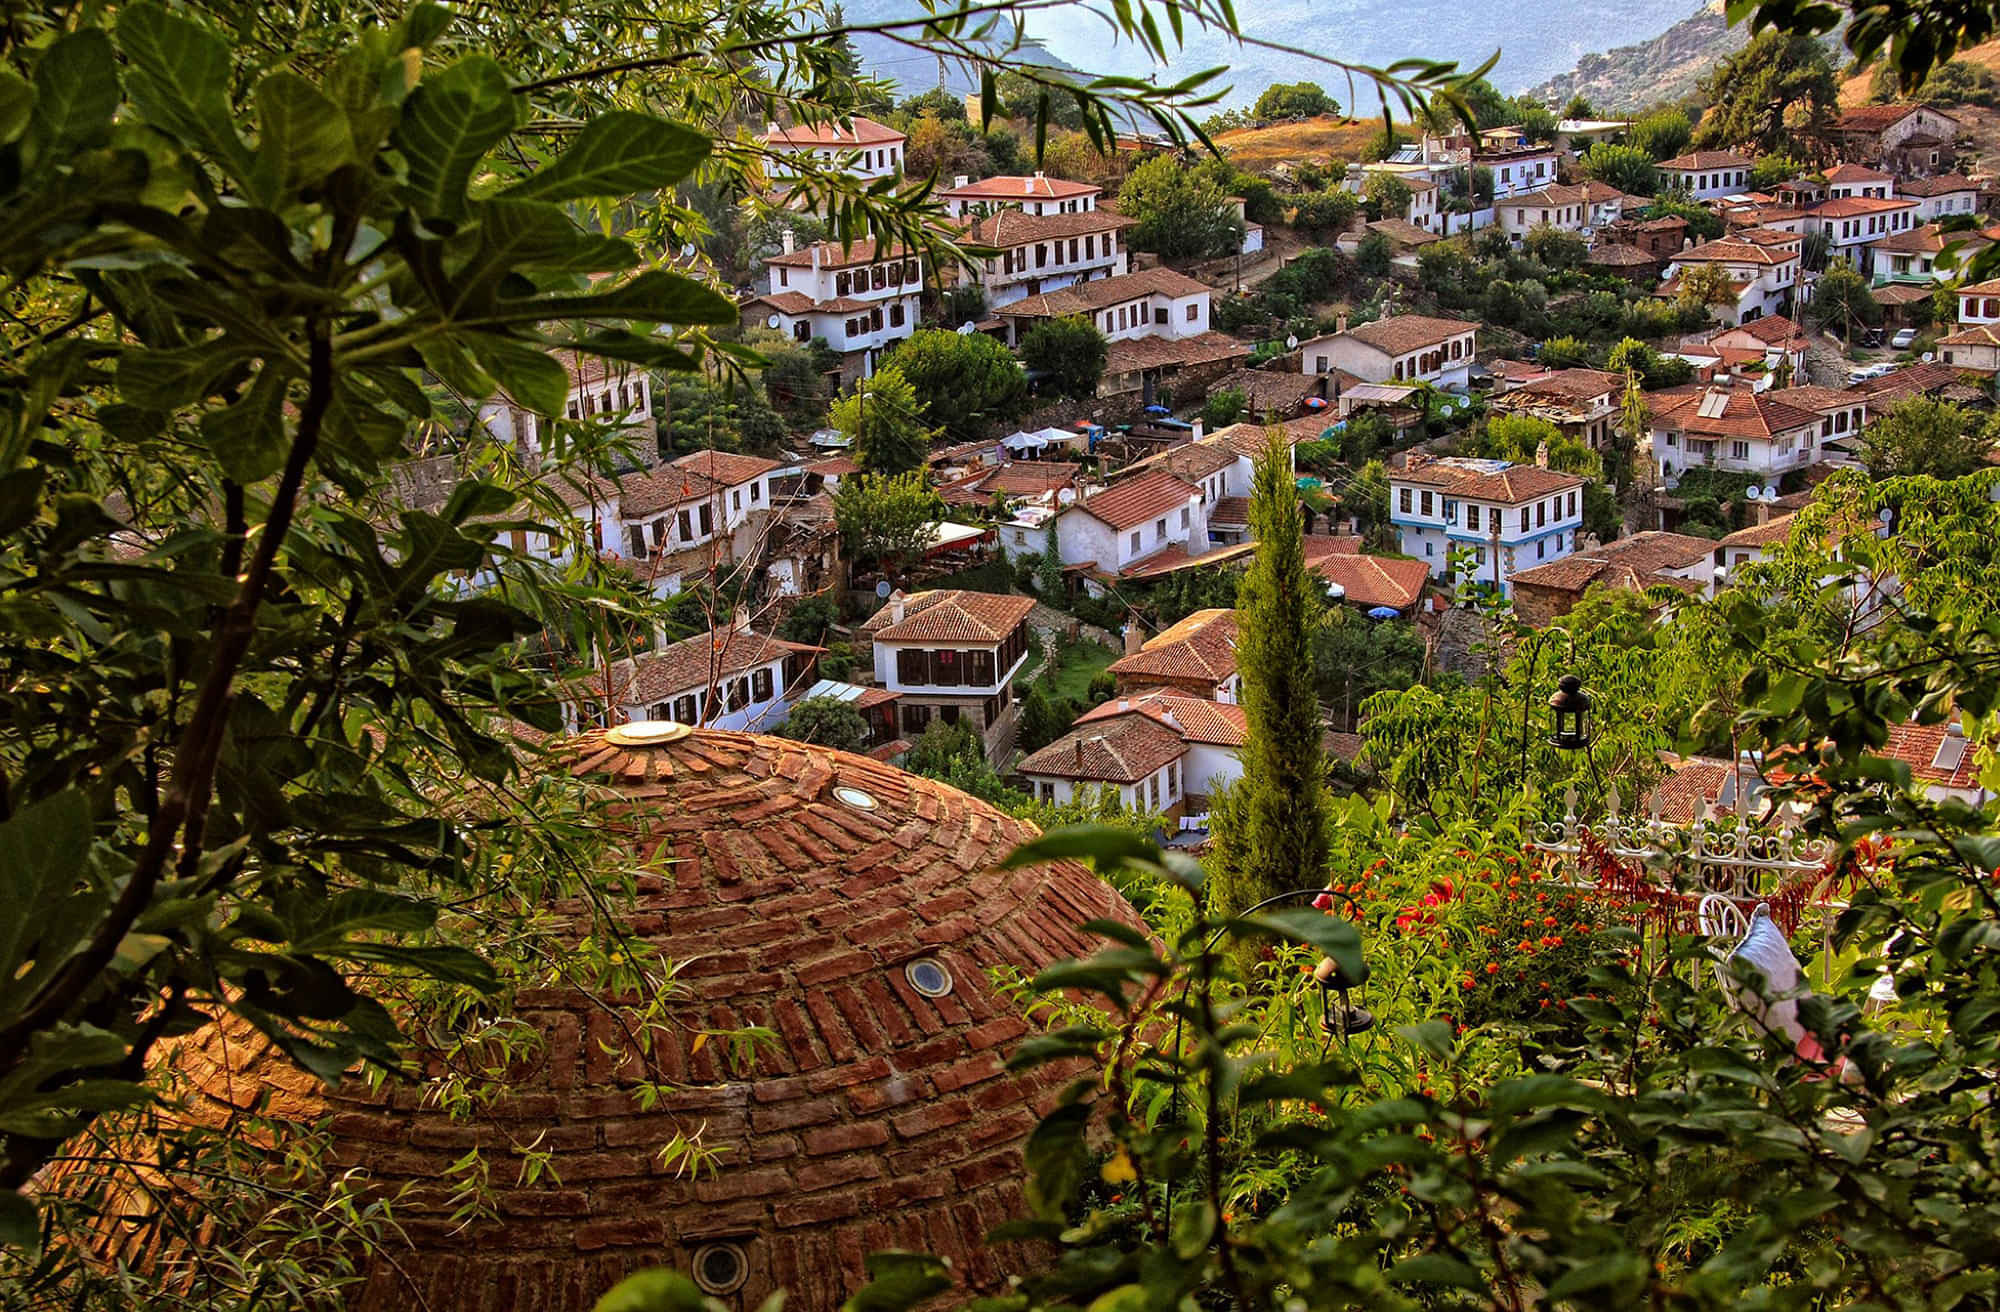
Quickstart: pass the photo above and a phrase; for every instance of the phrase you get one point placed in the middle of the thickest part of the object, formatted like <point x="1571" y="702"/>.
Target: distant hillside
<point x="1664" y="68"/>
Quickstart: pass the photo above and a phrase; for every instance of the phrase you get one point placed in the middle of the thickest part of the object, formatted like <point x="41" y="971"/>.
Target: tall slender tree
<point x="1275" y="817"/>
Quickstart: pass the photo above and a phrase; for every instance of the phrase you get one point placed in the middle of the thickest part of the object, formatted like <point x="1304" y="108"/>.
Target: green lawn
<point x="1078" y="665"/>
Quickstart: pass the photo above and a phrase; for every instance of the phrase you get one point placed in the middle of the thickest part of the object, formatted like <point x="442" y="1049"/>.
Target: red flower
<point x="1549" y="921"/>
<point x="1525" y="946"/>
<point x="1513" y="881"/>
<point x="1493" y="968"/>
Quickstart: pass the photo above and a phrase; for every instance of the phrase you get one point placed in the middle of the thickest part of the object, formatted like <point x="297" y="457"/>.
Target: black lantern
<point x="1343" y="1018"/>
<point x="1571" y="708"/>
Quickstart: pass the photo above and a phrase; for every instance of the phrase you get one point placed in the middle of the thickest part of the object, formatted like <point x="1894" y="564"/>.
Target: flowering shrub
<point x="1535" y="949"/>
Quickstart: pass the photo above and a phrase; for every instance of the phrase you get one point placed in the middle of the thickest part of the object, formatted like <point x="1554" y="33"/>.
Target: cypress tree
<point x="1279" y="807"/>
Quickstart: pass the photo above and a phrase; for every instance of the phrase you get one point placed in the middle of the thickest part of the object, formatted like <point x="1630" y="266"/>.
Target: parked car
<point x="1904" y="340"/>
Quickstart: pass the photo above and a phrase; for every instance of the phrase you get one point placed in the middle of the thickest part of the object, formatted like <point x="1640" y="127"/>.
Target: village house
<point x="1401" y="348"/>
<point x="1036" y="482"/>
<point x="1853" y="223"/>
<point x="1979" y="303"/>
<point x="1132" y="521"/>
<point x="1583" y="403"/>
<point x="1908" y="140"/>
<point x="861" y="300"/>
<point x="868" y="149"/>
<point x="1365" y="582"/>
<point x="1762" y="267"/>
<point x="1972" y="348"/>
<point x="730" y="678"/>
<point x="1918" y="255"/>
<point x="1144" y="366"/>
<point x="1159" y="751"/>
<point x="1195" y="657"/>
<point x="1750" y="546"/>
<point x="1037" y="195"/>
<point x="1662" y="238"/>
<point x="1940" y="759"/>
<point x="1841" y="413"/>
<point x="1154" y="302"/>
<point x="1518" y="167"/>
<point x="1706" y="174"/>
<point x="1729" y="427"/>
<point x="1581" y="208"/>
<point x="952" y="655"/>
<point x="1045" y="252"/>
<point x="1941" y="197"/>
<point x="1634" y="564"/>
<point x="1845" y="180"/>
<point x="608" y="392"/>
<point x="1768" y="346"/>
<point x="1508" y="517"/>
<point x="701" y="512"/>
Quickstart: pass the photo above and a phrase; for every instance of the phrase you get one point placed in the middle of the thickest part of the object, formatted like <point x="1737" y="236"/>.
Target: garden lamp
<point x="1571" y="708"/>
<point x="1348" y="1018"/>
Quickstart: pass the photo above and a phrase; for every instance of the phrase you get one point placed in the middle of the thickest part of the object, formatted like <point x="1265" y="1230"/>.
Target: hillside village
<point x="1502" y="380"/>
<point x="649" y="672"/>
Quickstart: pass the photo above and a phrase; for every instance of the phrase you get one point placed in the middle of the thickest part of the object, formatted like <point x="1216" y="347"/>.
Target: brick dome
<point x="851" y="908"/>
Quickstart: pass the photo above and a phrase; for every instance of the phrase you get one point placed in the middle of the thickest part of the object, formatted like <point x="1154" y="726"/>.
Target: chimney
<point x="788" y="241"/>
<point x="770" y="127"/>
<point x="1763" y="512"/>
<point x="741" y="619"/>
<point x="1340" y="326"/>
<point x="1028" y="185"/>
<point x="961" y="181"/>
<point x="898" y="606"/>
<point x="1124" y="703"/>
<point x="1542" y="454"/>
<point x="1135" y="637"/>
<point x="1198" y="433"/>
<point x="815" y="256"/>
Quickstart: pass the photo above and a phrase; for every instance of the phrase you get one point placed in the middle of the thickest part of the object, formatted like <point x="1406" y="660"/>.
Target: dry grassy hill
<point x="1313" y="139"/>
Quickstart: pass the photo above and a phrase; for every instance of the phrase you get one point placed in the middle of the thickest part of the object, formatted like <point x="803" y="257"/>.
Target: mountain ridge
<point x="1663" y="68"/>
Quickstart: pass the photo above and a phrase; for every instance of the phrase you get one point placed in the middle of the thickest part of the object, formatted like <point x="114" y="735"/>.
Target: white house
<point x="1508" y="517"/>
<point x="1132" y="521"/>
<point x="952" y="655"/>
<point x="866" y="148"/>
<point x="1046" y="252"/>
<point x="1518" y="168"/>
<point x="861" y="299"/>
<point x="1160" y="751"/>
<point x="1733" y="428"/>
<point x="1844" y="180"/>
<point x="1942" y="196"/>
<point x="1842" y="414"/>
<point x="1706" y="174"/>
<point x="1976" y="347"/>
<point x="1918" y="255"/>
<point x="1908" y="138"/>
<point x="698" y="513"/>
<point x="1195" y="656"/>
<point x="1581" y="403"/>
<point x="1762" y="266"/>
<point x="1155" y="302"/>
<point x="1401" y="348"/>
<point x="602" y="391"/>
<point x="1037" y="195"/>
<point x="733" y="678"/>
<point x="1852" y="223"/>
<point x="1979" y="303"/>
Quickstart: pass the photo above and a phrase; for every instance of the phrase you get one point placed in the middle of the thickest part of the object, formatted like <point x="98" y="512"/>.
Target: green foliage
<point x="1044" y="718"/>
<point x="1355" y="657"/>
<point x="1919" y="435"/>
<point x="1564" y="353"/>
<point x="1653" y="369"/>
<point x="1702" y="222"/>
<point x="1288" y="100"/>
<point x="1841" y="301"/>
<point x="727" y="414"/>
<point x="1224" y="407"/>
<point x="796" y="380"/>
<point x="937" y="101"/>
<point x="1777" y="90"/>
<point x="887" y="518"/>
<point x="1772" y="170"/>
<point x="827" y="721"/>
<point x="1661" y="134"/>
<point x="1629" y="168"/>
<point x="884" y="421"/>
<point x="1374" y="254"/>
<point x="1180" y="214"/>
<point x="1069" y="354"/>
<point x="1556" y="249"/>
<point x="965" y="383"/>
<point x="1958" y="82"/>
<point x="198" y="822"/>
<point x="1385" y="196"/>
<point x="953" y="754"/>
<point x="1275" y="839"/>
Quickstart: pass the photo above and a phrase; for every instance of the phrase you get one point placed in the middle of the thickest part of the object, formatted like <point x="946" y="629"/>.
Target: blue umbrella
<point x="1384" y="613"/>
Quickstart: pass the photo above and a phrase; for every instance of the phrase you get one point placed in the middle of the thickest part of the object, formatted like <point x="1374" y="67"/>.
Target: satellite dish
<point x="687" y="251"/>
<point x="1770" y="492"/>
<point x="967" y="328"/>
<point x="1930" y="357"/>
<point x="773" y="321"/>
<point x="1753" y="493"/>
<point x="1292" y="342"/>
<point x="882" y="589"/>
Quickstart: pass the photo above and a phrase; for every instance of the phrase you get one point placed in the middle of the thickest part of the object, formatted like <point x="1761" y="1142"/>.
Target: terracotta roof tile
<point x="1193" y="461"/>
<point x="1856" y="173"/>
<point x="1509" y="486"/>
<point x="1730" y="412"/>
<point x="1201" y="647"/>
<point x="833" y="255"/>
<point x="1944" y="184"/>
<point x="692" y="665"/>
<point x="1195" y="719"/>
<point x="1124" y="749"/>
<point x="1876" y="118"/>
<point x="1774" y="530"/>
<point x="1935" y="753"/>
<point x="1402" y="333"/>
<point x="1139" y="500"/>
<point x="1637" y="562"/>
<point x="864" y="132"/>
<point x="1084" y="297"/>
<point x="1708" y="159"/>
<point x="1011" y="227"/>
<point x="1133" y="354"/>
<point x="1015" y="187"/>
<point x="1847" y="207"/>
<point x="1367" y="581"/>
<point x="726" y="467"/>
<point x="951" y="615"/>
